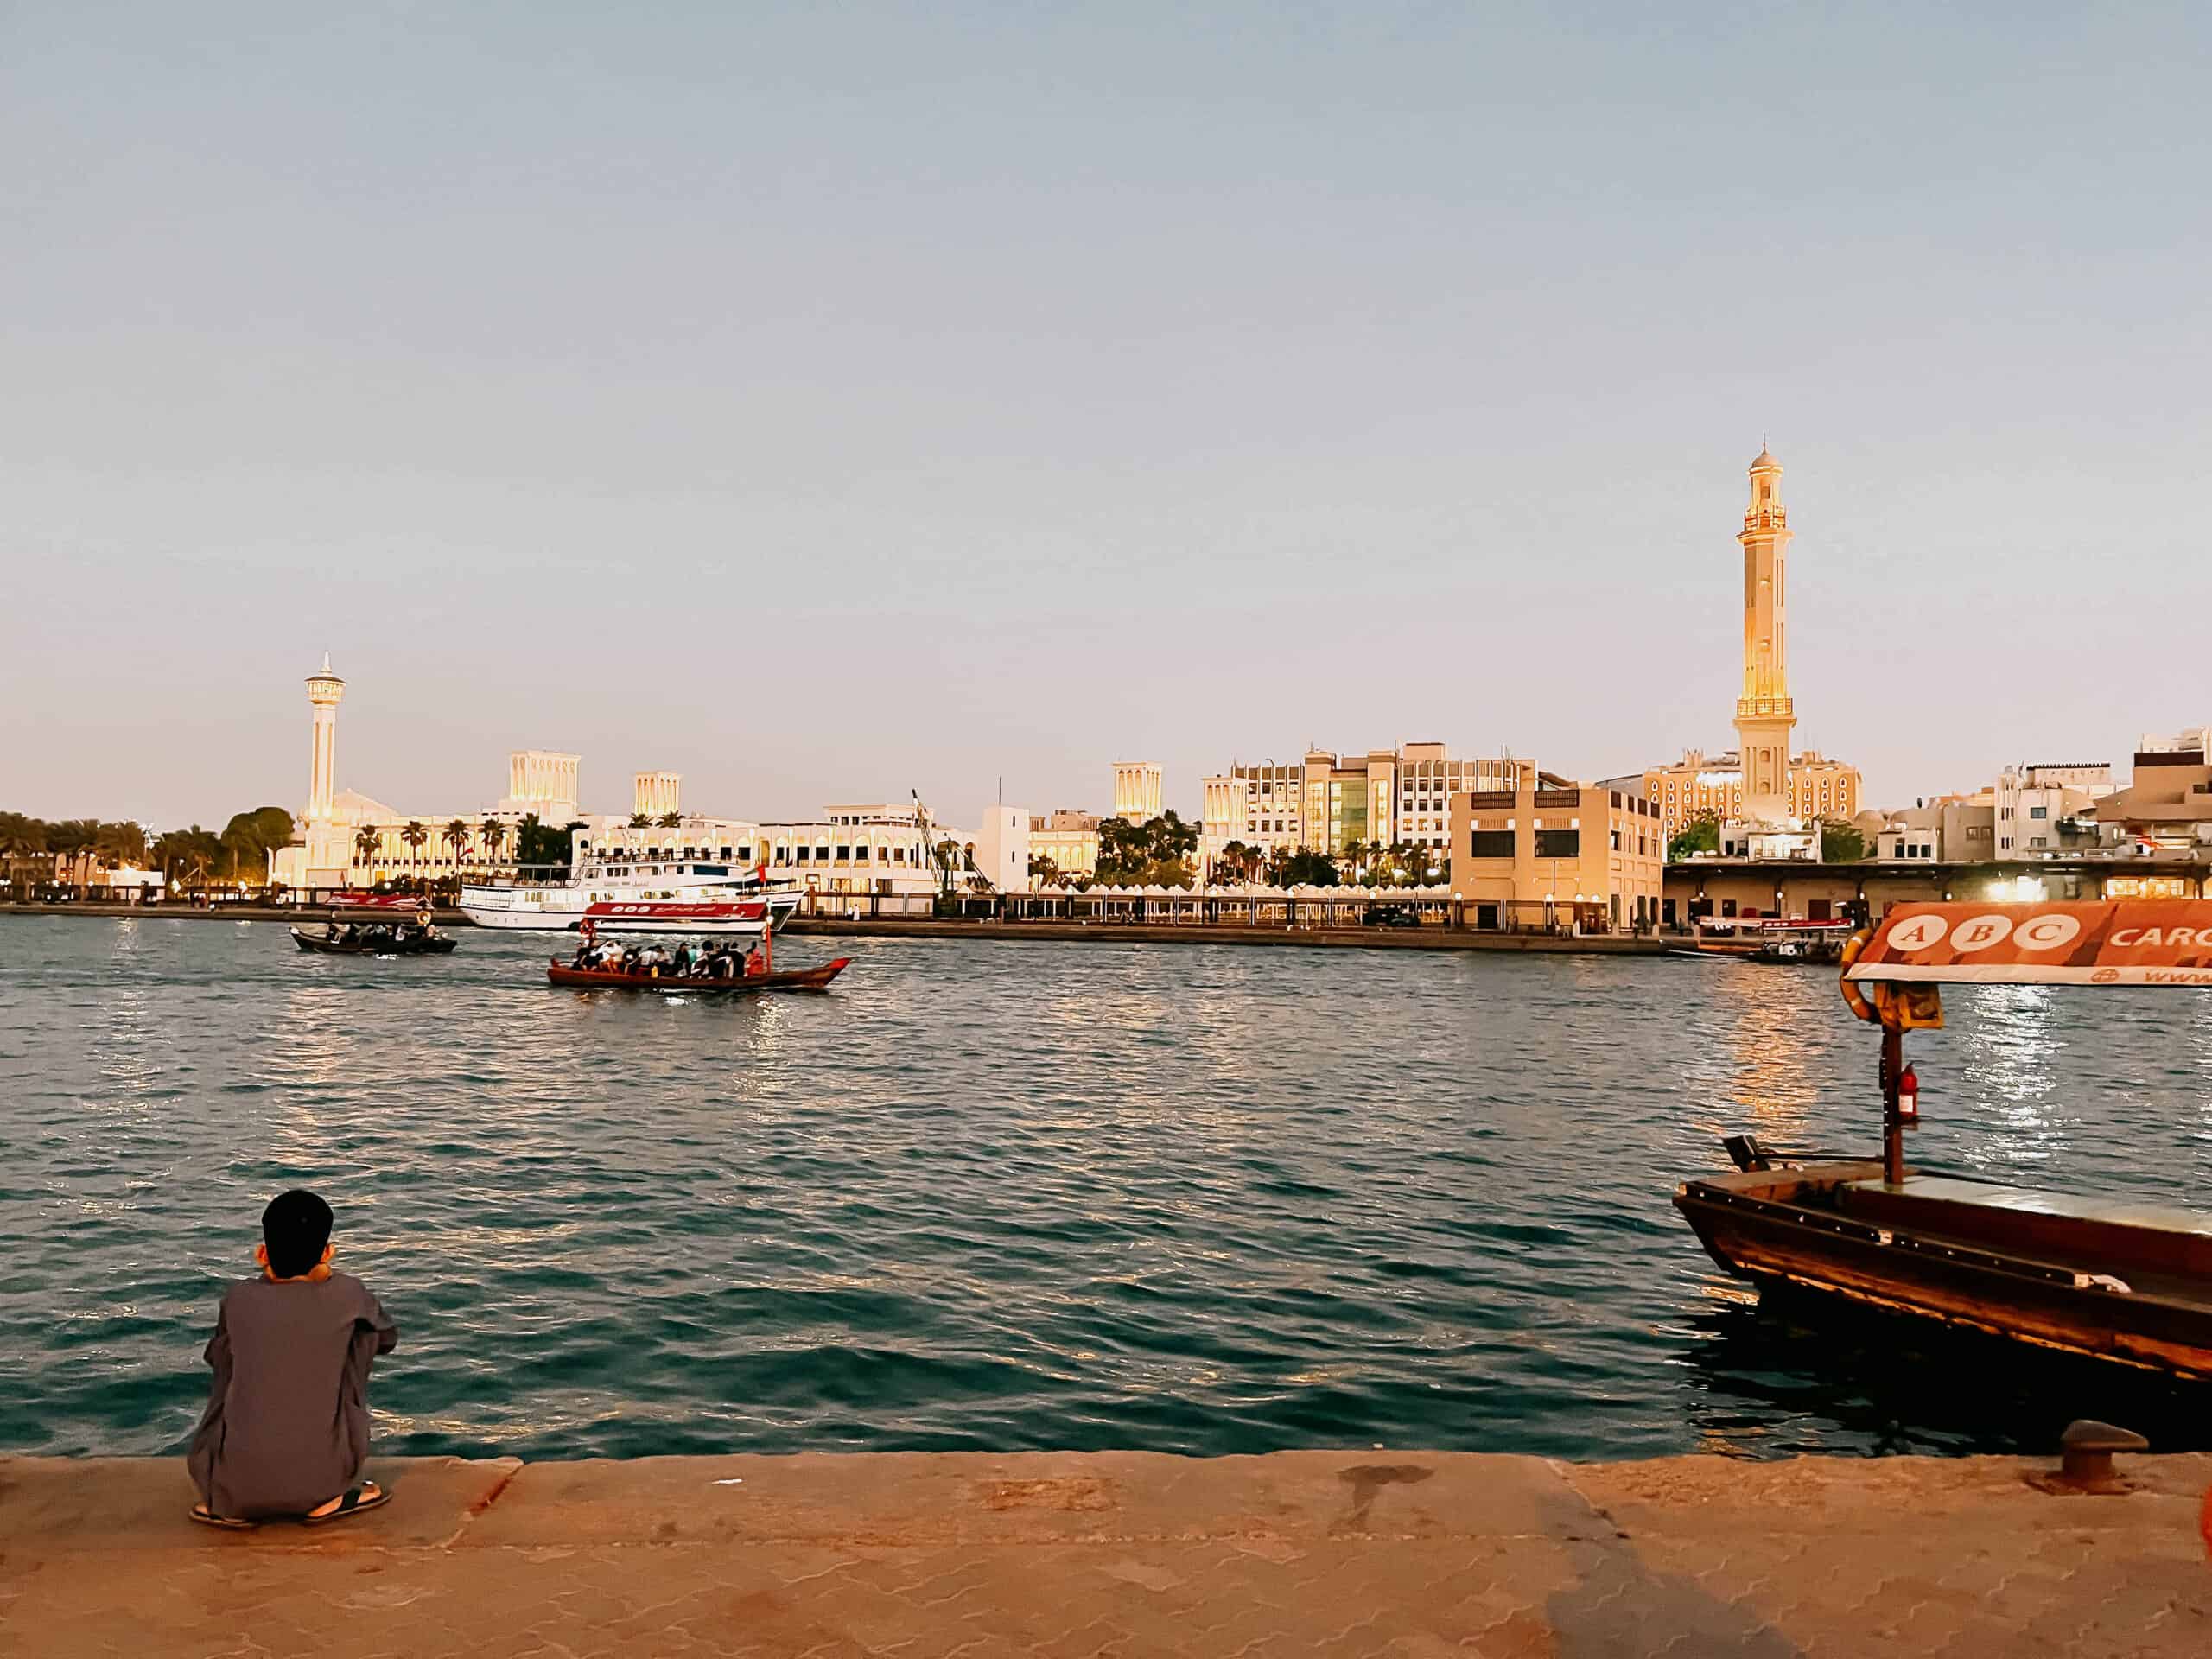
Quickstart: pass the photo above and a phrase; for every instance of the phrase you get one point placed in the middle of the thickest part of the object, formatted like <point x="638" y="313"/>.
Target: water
<point x="1007" y="1195"/>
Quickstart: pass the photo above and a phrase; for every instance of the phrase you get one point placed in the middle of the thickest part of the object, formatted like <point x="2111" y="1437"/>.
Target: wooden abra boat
<point x="377" y="924"/>
<point x="2128" y="1283"/>
<point x="410" y="946"/>
<point x="800" y="979"/>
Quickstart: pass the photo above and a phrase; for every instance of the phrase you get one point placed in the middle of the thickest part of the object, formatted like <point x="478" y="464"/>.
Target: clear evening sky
<point x="826" y="401"/>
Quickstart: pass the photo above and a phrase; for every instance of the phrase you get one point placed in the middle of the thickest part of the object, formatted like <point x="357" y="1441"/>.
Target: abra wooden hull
<point x="2072" y="1284"/>
<point x="340" y="948"/>
<point x="803" y="979"/>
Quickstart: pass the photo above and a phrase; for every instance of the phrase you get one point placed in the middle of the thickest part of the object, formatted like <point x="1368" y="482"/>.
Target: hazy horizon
<point x="825" y="405"/>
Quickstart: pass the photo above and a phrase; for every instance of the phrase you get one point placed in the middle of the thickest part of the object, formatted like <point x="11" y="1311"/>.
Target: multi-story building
<point x="2168" y="805"/>
<point x="1070" y="839"/>
<point x="1544" y="853"/>
<point x="1759" y="784"/>
<point x="1329" y="803"/>
<point x="1698" y="784"/>
<point x="1256" y="806"/>
<point x="2033" y="806"/>
<point x="2193" y="741"/>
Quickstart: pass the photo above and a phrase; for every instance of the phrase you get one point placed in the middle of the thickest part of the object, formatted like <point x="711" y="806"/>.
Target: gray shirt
<point x="287" y="1424"/>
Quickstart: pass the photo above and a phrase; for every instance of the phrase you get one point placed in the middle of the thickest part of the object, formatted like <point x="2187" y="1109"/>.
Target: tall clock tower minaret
<point x="1765" y="716"/>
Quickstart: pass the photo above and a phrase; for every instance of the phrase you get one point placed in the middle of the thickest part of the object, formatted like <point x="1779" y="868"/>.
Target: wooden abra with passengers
<point x="2128" y="1283"/>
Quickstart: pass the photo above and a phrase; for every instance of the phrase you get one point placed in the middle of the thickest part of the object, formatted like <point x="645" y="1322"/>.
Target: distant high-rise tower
<point x="324" y="691"/>
<point x="1764" y="714"/>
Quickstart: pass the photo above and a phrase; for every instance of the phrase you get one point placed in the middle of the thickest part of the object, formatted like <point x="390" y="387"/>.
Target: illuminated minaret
<point x="1763" y="715"/>
<point x="325" y="689"/>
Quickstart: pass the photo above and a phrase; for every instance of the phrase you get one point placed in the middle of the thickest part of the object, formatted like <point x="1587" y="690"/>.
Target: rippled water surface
<point x="1003" y="1195"/>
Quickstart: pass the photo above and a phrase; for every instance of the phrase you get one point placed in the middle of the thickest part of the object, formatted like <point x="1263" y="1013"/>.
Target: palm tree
<point x="414" y="835"/>
<point x="455" y="835"/>
<point x="490" y="836"/>
<point x="365" y="847"/>
<point x="671" y="820"/>
<point x="639" y="821"/>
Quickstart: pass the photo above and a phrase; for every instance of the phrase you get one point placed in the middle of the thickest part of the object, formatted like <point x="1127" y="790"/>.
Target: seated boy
<point x="287" y="1427"/>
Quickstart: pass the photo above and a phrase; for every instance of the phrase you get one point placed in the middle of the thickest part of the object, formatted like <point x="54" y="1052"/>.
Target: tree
<point x="1238" y="861"/>
<point x="1156" y="852"/>
<point x="540" y="844"/>
<point x="1699" y="834"/>
<point x="1044" y="872"/>
<point x="455" y="835"/>
<point x="671" y="820"/>
<point x="1302" y="868"/>
<point x="365" y="842"/>
<point x="1841" y="842"/>
<point x="639" y="821"/>
<point x="489" y="835"/>
<point x="414" y="835"/>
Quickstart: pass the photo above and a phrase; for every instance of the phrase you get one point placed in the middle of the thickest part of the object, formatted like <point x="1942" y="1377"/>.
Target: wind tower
<point x="324" y="691"/>
<point x="1764" y="714"/>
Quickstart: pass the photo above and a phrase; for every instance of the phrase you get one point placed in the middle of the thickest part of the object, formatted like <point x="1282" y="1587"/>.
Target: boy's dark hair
<point x="295" y="1226"/>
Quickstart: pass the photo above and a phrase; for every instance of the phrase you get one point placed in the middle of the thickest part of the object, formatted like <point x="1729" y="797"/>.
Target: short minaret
<point x="1764" y="714"/>
<point x="324" y="691"/>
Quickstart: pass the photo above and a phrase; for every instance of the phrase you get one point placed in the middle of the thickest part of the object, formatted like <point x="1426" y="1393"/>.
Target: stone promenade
<point x="1123" y="1553"/>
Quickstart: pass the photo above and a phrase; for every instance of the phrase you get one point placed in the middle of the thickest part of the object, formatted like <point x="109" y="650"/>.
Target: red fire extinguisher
<point x="1909" y="1097"/>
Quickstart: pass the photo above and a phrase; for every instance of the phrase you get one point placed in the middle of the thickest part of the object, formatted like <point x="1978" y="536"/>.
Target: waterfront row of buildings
<point x="1501" y="831"/>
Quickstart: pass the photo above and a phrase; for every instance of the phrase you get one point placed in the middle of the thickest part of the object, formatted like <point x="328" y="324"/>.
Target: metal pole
<point x="1892" y="1125"/>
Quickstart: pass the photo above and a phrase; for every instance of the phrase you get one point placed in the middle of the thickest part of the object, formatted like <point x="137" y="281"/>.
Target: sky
<point x="825" y="402"/>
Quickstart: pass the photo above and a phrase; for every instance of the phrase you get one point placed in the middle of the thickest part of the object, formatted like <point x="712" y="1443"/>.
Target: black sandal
<point x="207" y="1517"/>
<point x="352" y="1504"/>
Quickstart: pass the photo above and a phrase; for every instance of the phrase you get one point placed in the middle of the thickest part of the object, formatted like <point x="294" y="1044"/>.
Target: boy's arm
<point x="218" y="1351"/>
<point x="380" y="1321"/>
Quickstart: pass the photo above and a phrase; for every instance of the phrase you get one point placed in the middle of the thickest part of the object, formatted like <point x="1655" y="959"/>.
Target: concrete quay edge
<point x="1398" y="1551"/>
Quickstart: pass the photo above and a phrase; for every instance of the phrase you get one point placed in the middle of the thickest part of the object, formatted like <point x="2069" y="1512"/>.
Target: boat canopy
<point x="2159" y="942"/>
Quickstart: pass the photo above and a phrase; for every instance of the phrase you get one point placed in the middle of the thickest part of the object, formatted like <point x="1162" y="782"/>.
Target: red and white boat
<point x="561" y="906"/>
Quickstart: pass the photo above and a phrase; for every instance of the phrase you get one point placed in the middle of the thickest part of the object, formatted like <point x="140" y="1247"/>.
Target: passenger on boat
<point x="582" y="959"/>
<point x="756" y="960"/>
<point x="630" y="963"/>
<point x="680" y="964"/>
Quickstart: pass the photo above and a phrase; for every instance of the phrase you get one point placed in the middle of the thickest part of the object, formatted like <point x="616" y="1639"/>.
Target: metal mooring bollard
<point x="2085" y="1452"/>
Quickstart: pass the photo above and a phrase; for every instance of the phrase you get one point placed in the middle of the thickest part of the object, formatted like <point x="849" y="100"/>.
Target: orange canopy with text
<point x="2165" y="942"/>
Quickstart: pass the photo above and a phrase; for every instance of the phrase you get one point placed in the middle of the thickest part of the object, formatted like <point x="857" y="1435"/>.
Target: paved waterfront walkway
<point x="1128" y="1553"/>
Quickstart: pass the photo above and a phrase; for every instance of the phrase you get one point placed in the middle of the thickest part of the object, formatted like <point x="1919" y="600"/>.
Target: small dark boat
<point x="2125" y="1282"/>
<point x="414" y="944"/>
<point x="801" y="979"/>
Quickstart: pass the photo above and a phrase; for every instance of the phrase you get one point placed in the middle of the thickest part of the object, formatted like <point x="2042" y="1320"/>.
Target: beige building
<point x="2168" y="805"/>
<point x="1542" y="855"/>
<point x="1329" y="802"/>
<point x="657" y="794"/>
<point x="543" y="781"/>
<point x="1136" y="791"/>
<point x="1769" y="794"/>
<point x="1817" y="787"/>
<point x="1070" y="839"/>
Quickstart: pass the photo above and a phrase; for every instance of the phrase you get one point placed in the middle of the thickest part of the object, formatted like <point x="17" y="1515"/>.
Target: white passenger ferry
<point x="554" y="905"/>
